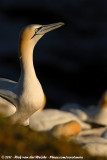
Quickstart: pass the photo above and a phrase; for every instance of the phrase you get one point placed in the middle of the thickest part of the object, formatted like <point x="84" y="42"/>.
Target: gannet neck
<point x="26" y="47"/>
<point x="28" y="87"/>
<point x="28" y="74"/>
<point x="26" y="57"/>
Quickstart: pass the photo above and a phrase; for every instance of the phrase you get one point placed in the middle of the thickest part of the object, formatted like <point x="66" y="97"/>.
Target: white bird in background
<point x="19" y="100"/>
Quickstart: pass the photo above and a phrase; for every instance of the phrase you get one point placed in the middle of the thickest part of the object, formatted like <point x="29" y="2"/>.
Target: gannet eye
<point x="36" y="30"/>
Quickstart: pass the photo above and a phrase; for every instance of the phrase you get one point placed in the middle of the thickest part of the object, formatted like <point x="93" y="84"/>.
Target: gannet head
<point x="103" y="101"/>
<point x="32" y="33"/>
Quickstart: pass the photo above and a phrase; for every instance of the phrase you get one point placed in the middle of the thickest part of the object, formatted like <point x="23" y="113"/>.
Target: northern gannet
<point x="19" y="100"/>
<point x="100" y="114"/>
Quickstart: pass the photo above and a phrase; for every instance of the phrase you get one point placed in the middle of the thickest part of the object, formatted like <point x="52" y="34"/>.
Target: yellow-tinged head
<point x="32" y="33"/>
<point x="103" y="101"/>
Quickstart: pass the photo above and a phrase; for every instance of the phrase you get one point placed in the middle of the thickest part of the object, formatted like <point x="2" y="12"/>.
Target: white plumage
<point x="21" y="99"/>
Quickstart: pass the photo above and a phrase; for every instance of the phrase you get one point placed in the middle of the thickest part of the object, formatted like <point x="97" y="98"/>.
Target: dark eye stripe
<point x="33" y="36"/>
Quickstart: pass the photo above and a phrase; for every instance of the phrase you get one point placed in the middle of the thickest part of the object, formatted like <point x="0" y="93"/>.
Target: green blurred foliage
<point x="20" y="140"/>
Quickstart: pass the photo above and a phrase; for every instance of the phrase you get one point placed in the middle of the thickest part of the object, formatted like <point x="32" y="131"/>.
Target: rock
<point x="48" y="118"/>
<point x="67" y="129"/>
<point x="77" y="110"/>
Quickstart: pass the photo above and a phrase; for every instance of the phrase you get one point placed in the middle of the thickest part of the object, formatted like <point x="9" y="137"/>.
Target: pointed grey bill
<point x="46" y="28"/>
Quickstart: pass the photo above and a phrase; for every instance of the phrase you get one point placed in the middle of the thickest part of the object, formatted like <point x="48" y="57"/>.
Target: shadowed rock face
<point x="71" y="61"/>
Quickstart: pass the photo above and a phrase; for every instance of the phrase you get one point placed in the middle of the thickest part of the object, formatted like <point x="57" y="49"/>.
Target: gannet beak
<point x="46" y="28"/>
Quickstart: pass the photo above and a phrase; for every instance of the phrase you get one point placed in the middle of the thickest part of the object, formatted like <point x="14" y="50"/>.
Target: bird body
<point x="19" y="100"/>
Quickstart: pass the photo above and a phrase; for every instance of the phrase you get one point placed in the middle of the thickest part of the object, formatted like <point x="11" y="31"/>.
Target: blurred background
<point x="70" y="62"/>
